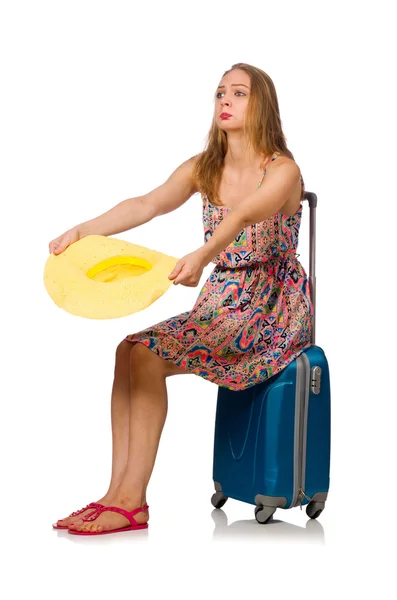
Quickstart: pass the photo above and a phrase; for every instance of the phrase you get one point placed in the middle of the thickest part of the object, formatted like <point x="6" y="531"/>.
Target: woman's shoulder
<point x="283" y="159"/>
<point x="192" y="162"/>
<point x="285" y="162"/>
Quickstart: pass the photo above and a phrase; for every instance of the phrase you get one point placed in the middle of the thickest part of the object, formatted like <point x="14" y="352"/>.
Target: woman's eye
<point x="236" y="93"/>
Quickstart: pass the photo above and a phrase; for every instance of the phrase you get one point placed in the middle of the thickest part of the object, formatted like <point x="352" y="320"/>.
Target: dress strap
<point x="303" y="188"/>
<point x="264" y="171"/>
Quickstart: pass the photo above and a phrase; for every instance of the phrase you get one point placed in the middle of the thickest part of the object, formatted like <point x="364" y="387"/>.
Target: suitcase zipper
<point x="300" y="497"/>
<point x="301" y="413"/>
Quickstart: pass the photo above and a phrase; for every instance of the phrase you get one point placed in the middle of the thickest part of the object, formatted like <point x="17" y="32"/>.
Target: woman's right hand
<point x="60" y="243"/>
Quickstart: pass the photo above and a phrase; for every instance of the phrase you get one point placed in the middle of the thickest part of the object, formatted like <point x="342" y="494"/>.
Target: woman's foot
<point x="108" y="521"/>
<point x="78" y="518"/>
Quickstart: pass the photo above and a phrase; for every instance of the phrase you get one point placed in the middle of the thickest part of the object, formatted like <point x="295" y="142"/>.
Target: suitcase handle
<point x="312" y="200"/>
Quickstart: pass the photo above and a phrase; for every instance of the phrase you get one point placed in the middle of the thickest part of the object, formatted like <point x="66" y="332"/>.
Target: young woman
<point x="253" y="315"/>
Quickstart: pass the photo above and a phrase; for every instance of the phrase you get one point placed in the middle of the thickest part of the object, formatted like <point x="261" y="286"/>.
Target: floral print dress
<point x="254" y="313"/>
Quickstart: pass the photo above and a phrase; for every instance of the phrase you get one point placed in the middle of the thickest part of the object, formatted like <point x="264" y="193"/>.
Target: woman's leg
<point x="120" y="410"/>
<point x="147" y="415"/>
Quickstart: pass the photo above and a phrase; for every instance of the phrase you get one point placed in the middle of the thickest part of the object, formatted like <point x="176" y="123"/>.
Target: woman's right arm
<point x="130" y="213"/>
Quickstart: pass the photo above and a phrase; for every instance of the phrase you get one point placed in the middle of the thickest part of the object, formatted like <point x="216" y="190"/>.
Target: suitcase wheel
<point x="218" y="500"/>
<point x="314" y="509"/>
<point x="264" y="514"/>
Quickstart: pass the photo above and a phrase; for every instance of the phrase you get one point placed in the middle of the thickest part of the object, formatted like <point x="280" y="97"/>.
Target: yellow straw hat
<point x="101" y="277"/>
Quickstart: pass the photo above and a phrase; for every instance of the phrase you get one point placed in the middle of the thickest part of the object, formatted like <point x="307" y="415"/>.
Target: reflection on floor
<point x="276" y="529"/>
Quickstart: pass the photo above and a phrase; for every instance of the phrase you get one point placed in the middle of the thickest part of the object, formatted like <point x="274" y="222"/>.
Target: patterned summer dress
<point x="254" y="313"/>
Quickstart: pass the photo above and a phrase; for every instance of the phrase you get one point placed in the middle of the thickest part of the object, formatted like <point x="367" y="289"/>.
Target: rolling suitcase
<point x="272" y="441"/>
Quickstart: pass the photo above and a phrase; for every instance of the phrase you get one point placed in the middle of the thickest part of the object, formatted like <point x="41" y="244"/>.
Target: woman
<point x="253" y="315"/>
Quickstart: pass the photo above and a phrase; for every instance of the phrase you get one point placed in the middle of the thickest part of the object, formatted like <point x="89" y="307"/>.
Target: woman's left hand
<point x="188" y="269"/>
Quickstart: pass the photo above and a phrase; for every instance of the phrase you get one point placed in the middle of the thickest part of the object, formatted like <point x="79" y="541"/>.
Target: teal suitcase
<point x="272" y="441"/>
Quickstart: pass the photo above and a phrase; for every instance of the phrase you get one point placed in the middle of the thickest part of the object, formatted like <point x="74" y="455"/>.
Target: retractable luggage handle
<point x="312" y="200"/>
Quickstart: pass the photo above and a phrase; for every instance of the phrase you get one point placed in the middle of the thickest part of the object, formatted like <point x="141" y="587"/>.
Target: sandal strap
<point x="125" y="513"/>
<point x="90" y="505"/>
<point x="138" y="510"/>
<point x="90" y="514"/>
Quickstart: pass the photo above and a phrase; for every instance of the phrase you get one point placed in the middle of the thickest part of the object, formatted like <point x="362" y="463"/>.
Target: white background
<point x="100" y="102"/>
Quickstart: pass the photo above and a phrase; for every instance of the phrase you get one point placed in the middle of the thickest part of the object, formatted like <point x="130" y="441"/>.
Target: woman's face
<point x="232" y="97"/>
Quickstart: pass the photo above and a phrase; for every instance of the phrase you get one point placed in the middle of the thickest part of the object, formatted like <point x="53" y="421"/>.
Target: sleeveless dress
<point x="254" y="313"/>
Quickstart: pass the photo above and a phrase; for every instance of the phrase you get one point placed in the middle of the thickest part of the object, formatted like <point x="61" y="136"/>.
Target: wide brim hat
<point x="100" y="277"/>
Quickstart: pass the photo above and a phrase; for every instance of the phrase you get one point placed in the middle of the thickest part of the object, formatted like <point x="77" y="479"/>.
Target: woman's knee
<point x="123" y="352"/>
<point x="146" y="362"/>
<point x="141" y="358"/>
<point x="135" y="358"/>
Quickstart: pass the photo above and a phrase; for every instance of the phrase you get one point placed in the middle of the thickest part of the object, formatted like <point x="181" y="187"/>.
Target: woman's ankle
<point x="126" y="491"/>
<point x="112" y="491"/>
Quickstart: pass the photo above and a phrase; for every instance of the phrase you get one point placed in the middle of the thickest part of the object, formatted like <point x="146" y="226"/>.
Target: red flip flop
<point x="126" y="513"/>
<point x="95" y="505"/>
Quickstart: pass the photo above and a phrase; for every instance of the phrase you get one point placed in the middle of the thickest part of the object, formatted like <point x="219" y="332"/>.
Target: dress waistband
<point x="288" y="252"/>
<point x="263" y="260"/>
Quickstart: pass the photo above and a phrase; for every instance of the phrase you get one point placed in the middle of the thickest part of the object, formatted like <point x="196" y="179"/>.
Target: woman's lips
<point x="224" y="115"/>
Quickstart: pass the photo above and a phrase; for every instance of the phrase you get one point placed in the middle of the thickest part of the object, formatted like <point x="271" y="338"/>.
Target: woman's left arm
<point x="259" y="206"/>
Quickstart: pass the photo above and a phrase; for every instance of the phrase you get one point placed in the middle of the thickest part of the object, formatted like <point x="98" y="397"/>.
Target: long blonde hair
<point x="262" y="128"/>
